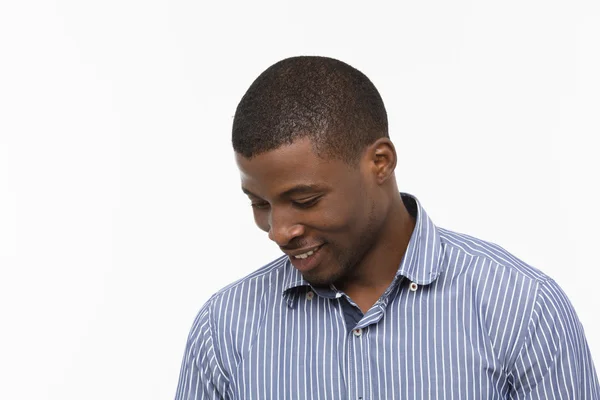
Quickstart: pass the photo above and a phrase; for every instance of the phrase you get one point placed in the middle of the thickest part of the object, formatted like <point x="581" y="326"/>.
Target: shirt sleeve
<point x="201" y="376"/>
<point x="554" y="361"/>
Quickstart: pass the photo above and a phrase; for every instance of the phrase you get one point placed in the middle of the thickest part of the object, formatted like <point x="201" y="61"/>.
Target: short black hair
<point x="324" y="99"/>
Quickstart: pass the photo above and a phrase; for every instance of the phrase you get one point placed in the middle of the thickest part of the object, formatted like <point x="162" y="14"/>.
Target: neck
<point x="379" y="266"/>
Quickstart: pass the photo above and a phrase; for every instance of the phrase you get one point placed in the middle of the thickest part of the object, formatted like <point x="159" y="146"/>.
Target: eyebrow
<point x="298" y="189"/>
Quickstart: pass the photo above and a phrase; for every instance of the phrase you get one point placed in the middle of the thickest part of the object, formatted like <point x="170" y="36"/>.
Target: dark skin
<point x="354" y="213"/>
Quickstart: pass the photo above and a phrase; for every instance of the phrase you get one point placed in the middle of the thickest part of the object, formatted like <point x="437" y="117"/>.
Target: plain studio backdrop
<point x="120" y="202"/>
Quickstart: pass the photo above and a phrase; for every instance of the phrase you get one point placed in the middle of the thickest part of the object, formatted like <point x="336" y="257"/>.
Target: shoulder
<point x="485" y="254"/>
<point x="505" y="289"/>
<point x="515" y="300"/>
<point x="238" y="301"/>
<point x="246" y="299"/>
<point x="263" y="280"/>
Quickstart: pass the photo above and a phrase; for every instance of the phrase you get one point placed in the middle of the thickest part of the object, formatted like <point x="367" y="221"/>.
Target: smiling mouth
<point x="306" y="255"/>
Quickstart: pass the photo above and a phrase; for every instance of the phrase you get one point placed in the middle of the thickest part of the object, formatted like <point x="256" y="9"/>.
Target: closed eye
<point x="307" y="203"/>
<point x="260" y="205"/>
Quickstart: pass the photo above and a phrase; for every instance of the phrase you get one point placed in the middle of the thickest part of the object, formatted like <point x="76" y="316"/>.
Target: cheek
<point x="341" y="218"/>
<point x="349" y="222"/>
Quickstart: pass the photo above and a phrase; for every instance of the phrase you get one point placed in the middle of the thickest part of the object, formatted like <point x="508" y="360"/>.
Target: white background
<point x="120" y="208"/>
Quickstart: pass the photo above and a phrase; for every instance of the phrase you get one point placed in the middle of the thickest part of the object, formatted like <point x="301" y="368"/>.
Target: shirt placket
<point x="358" y="343"/>
<point x="356" y="366"/>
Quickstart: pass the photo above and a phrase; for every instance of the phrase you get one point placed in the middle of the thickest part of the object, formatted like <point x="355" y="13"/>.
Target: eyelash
<point x="259" y="206"/>
<point x="305" y="204"/>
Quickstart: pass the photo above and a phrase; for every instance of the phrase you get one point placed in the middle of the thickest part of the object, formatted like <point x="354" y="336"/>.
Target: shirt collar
<point x="421" y="262"/>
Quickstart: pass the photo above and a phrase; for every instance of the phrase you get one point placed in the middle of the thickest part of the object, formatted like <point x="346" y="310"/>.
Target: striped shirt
<point x="463" y="319"/>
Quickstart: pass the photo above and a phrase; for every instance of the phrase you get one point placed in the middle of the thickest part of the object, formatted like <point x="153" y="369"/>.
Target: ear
<point x="382" y="157"/>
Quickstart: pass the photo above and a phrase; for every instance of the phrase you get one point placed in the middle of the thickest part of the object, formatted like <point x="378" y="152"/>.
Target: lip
<point x="292" y="254"/>
<point x="307" y="264"/>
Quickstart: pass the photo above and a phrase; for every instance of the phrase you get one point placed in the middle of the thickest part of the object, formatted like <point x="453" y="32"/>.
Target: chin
<point x="323" y="279"/>
<point x="318" y="281"/>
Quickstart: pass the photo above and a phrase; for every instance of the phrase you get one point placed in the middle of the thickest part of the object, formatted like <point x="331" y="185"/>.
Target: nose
<point x="282" y="228"/>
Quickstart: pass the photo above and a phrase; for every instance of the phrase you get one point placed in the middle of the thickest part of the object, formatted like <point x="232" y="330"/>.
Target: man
<point x="371" y="299"/>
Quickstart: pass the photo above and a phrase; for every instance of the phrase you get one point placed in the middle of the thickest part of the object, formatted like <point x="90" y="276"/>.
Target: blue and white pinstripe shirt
<point x="463" y="319"/>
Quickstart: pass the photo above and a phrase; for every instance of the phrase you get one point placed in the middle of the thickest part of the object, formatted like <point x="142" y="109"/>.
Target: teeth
<point x="305" y="255"/>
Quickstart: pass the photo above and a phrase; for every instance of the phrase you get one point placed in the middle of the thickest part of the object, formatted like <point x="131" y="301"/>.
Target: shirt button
<point x="357" y="332"/>
<point x="310" y="295"/>
<point x="413" y="287"/>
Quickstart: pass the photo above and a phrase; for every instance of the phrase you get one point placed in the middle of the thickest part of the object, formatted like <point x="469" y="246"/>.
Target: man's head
<point x="326" y="100"/>
<point x="311" y="142"/>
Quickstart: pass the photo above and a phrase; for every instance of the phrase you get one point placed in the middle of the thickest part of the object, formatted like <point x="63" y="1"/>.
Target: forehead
<point x="279" y="170"/>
